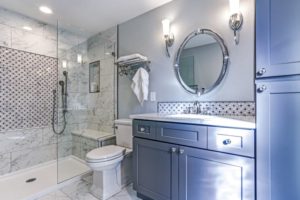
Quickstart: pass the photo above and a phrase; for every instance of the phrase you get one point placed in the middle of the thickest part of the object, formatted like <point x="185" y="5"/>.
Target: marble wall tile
<point x="5" y="35"/>
<point x="92" y="125"/>
<point x="82" y="145"/>
<point x="20" y="139"/>
<point x="107" y="83"/>
<point x="67" y="38"/>
<point x="49" y="137"/>
<point x="17" y="20"/>
<point x="77" y="101"/>
<point x="30" y="157"/>
<point x="107" y="66"/>
<point x="85" y="149"/>
<point x="76" y="149"/>
<point x="64" y="149"/>
<point x="92" y="99"/>
<point x="27" y="41"/>
<point x="77" y="116"/>
<point x="4" y="163"/>
<point x="89" y="142"/>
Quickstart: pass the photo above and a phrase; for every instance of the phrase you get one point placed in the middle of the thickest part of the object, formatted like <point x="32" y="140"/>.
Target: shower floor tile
<point x="42" y="180"/>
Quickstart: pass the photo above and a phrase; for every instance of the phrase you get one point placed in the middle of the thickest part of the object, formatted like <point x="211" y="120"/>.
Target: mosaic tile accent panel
<point x="26" y="84"/>
<point x="235" y="108"/>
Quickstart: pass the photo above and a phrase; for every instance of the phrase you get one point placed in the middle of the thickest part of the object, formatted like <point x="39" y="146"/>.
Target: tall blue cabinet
<point x="278" y="99"/>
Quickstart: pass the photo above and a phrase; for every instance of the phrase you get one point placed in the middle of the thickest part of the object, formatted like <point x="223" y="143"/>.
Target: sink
<point x="191" y="116"/>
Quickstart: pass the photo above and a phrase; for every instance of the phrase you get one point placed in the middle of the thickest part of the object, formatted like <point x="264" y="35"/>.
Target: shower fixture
<point x="64" y="95"/>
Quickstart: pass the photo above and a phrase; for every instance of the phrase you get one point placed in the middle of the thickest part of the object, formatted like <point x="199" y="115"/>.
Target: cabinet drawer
<point x="229" y="140"/>
<point x="190" y="135"/>
<point x="144" y="129"/>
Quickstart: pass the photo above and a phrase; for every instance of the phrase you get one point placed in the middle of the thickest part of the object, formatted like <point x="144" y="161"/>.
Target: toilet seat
<point x="104" y="154"/>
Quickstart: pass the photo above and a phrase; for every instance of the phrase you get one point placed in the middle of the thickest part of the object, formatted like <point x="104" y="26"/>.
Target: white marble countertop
<point x="93" y="134"/>
<point x="247" y="122"/>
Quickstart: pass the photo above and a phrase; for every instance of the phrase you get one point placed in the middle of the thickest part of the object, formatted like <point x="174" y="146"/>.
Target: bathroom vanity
<point x="194" y="157"/>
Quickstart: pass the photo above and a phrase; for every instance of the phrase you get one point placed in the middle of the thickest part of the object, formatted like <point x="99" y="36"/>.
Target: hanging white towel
<point x="140" y="85"/>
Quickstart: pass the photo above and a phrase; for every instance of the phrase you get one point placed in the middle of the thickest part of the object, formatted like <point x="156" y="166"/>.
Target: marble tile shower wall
<point x="90" y="110"/>
<point x="27" y="147"/>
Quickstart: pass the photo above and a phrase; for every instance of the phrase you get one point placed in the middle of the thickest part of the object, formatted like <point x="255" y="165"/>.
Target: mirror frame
<point x="224" y="49"/>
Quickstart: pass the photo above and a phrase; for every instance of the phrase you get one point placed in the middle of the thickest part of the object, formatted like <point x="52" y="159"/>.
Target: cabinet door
<point x="277" y="37"/>
<point x="208" y="175"/>
<point x="278" y="140"/>
<point x="155" y="169"/>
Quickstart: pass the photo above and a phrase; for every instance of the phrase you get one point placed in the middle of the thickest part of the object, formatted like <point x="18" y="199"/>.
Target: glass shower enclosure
<point x="88" y="61"/>
<point x="47" y="70"/>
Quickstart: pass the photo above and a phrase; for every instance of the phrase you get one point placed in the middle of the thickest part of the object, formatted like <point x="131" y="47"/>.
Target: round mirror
<point x="201" y="61"/>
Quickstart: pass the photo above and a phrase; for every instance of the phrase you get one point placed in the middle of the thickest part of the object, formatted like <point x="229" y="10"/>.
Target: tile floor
<point x="80" y="191"/>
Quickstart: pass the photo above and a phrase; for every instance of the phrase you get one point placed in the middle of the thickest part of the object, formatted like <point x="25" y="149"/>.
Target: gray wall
<point x="143" y="34"/>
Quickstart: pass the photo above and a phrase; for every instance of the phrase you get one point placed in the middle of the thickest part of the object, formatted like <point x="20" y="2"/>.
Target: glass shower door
<point x="90" y="107"/>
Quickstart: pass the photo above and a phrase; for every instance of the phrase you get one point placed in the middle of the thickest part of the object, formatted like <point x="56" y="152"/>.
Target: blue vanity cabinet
<point x="277" y="38"/>
<point x="278" y="139"/>
<point x="208" y="175"/>
<point x="155" y="169"/>
<point x="183" y="162"/>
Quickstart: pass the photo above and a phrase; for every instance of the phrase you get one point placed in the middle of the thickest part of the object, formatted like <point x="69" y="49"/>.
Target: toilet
<point x="111" y="164"/>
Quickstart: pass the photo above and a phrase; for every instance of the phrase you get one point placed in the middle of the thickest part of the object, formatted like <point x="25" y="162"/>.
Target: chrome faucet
<point x="197" y="107"/>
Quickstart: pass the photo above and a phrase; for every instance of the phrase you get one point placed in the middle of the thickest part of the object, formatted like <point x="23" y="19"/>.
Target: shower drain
<point x="30" y="180"/>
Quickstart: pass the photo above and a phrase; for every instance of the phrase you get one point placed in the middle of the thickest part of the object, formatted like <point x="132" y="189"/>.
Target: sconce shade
<point x="64" y="64"/>
<point x="166" y="27"/>
<point x="79" y="58"/>
<point x="234" y="6"/>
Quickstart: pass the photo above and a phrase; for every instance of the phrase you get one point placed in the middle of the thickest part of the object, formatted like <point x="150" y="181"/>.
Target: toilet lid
<point x="105" y="153"/>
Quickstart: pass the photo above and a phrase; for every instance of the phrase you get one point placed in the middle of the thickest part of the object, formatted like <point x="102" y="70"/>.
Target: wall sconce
<point x="169" y="37"/>
<point x="79" y="58"/>
<point x="64" y="64"/>
<point x="236" y="18"/>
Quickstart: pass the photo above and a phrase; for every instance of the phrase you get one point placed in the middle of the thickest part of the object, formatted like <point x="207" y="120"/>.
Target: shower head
<point x="65" y="73"/>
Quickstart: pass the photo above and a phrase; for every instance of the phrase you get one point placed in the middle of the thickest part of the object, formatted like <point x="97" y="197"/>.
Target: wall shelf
<point x="129" y="67"/>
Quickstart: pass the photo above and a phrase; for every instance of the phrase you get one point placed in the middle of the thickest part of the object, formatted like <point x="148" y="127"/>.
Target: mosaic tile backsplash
<point x="235" y="108"/>
<point x="27" y="81"/>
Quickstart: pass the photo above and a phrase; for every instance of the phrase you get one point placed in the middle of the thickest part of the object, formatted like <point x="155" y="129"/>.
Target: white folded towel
<point x="140" y="85"/>
<point x="131" y="57"/>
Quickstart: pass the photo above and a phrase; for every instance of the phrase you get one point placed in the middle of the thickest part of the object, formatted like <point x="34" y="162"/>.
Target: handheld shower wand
<point x="64" y="94"/>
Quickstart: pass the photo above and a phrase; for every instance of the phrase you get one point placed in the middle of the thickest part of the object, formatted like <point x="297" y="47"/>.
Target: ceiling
<point x="83" y="16"/>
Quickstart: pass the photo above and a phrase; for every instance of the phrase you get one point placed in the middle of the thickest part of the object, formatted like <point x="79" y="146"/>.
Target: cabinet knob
<point x="181" y="151"/>
<point x="261" y="72"/>
<point x="173" y="150"/>
<point x="227" y="141"/>
<point x="142" y="129"/>
<point x="261" y="89"/>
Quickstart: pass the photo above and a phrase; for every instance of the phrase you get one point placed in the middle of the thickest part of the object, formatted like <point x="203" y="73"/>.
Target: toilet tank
<point x="123" y="128"/>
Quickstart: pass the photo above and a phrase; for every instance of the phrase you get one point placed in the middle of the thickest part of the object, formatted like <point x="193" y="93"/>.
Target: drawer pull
<point x="142" y="129"/>
<point x="227" y="141"/>
<point x="173" y="150"/>
<point x="261" y="89"/>
<point x="261" y="72"/>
